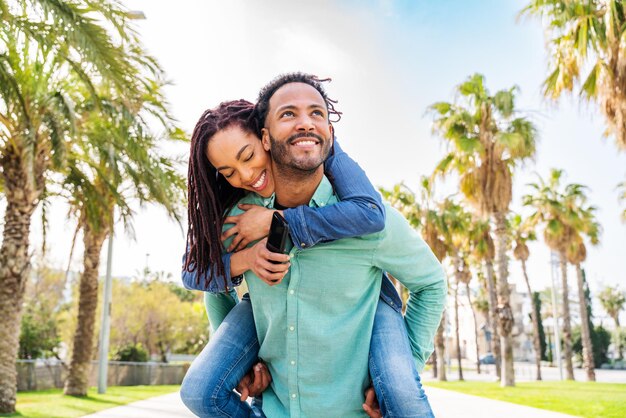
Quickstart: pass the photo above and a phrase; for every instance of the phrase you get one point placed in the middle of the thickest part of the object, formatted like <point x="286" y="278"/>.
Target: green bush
<point x="131" y="352"/>
<point x="600" y="339"/>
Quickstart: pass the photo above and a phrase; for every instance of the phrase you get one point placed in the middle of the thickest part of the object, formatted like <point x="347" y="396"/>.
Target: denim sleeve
<point x="217" y="284"/>
<point x="359" y="212"/>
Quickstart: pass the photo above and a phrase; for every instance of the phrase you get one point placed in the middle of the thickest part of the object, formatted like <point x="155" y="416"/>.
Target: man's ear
<point x="332" y="133"/>
<point x="265" y="139"/>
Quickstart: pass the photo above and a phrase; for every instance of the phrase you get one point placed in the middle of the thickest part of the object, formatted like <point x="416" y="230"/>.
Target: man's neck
<point x="294" y="188"/>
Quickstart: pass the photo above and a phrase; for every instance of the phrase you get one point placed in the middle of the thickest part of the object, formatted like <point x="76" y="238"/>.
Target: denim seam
<point x="226" y="375"/>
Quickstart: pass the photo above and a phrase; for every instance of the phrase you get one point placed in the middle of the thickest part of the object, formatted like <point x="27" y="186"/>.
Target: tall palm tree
<point x="483" y="250"/>
<point x="487" y="140"/>
<point x="585" y="223"/>
<point x="553" y="209"/>
<point x="521" y="233"/>
<point x="115" y="162"/>
<point x="587" y="34"/>
<point x="424" y="213"/>
<point x="613" y="300"/>
<point x="42" y="45"/>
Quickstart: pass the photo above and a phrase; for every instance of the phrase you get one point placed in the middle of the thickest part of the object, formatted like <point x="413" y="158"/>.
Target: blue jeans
<point x="207" y="389"/>
<point x="392" y="368"/>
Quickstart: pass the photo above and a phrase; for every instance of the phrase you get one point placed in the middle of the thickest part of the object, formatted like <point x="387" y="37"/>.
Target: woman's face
<point x="239" y="156"/>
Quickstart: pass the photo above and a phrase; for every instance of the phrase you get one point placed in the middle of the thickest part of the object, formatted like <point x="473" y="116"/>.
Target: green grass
<point x="52" y="404"/>
<point x="583" y="399"/>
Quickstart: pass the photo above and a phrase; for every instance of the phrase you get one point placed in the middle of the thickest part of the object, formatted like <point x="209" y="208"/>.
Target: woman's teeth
<point x="260" y="182"/>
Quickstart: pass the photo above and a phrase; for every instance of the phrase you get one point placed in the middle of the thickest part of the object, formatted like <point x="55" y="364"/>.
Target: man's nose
<point x="305" y="123"/>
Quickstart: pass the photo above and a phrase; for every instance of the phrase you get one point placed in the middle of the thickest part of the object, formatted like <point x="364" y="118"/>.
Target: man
<point x="315" y="326"/>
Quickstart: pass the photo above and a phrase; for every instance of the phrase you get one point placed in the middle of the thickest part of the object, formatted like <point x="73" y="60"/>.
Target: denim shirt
<point x="360" y="212"/>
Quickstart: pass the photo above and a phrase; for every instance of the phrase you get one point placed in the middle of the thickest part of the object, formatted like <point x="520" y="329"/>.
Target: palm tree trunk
<point x="440" y="349"/>
<point x="535" y="320"/>
<point x="78" y="378"/>
<point x="471" y="305"/>
<point x="505" y="314"/>
<point x="22" y="198"/>
<point x="433" y="358"/>
<point x="493" y="305"/>
<point x="588" y="362"/>
<point x="567" y="325"/>
<point x="456" y="330"/>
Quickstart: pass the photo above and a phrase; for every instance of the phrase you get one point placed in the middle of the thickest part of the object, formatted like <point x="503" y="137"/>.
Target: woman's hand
<point x="371" y="407"/>
<point x="254" y="382"/>
<point x="250" y="226"/>
<point x="260" y="262"/>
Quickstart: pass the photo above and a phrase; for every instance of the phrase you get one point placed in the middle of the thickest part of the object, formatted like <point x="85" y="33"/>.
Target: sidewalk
<point x="445" y="403"/>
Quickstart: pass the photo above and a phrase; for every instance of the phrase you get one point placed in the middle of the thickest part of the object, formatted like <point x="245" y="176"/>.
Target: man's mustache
<point x="299" y="135"/>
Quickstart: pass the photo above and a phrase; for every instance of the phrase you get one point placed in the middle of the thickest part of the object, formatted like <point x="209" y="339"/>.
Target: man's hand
<point x="254" y="382"/>
<point x="253" y="224"/>
<point x="371" y="407"/>
<point x="260" y="262"/>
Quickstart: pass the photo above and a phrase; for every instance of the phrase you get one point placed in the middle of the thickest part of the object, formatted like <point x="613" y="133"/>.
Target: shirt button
<point x="293" y="396"/>
<point x="290" y="256"/>
<point x="291" y="292"/>
<point x="302" y="244"/>
<point x="322" y="204"/>
<point x="292" y="328"/>
<point x="293" y="362"/>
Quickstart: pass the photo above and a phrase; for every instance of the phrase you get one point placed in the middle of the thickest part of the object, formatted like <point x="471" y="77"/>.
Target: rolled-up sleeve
<point x="210" y="281"/>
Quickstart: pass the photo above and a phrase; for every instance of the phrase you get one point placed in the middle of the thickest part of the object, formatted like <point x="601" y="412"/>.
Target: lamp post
<point x="105" y="328"/>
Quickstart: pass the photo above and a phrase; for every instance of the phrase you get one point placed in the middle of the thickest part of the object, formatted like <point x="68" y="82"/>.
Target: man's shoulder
<point x="248" y="199"/>
<point x="395" y="223"/>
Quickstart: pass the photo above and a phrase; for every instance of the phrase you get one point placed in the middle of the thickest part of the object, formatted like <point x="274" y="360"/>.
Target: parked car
<point x="488" y="359"/>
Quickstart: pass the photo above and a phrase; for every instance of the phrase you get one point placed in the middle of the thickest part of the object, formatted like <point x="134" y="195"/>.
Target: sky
<point x="388" y="60"/>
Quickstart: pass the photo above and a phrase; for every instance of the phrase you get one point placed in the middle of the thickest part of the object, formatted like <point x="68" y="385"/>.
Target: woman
<point x="227" y="156"/>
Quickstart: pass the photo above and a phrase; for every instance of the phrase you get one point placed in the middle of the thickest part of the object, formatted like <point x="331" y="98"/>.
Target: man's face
<point x="297" y="131"/>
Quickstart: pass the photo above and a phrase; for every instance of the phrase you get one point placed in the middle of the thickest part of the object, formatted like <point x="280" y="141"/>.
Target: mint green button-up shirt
<point x="314" y="328"/>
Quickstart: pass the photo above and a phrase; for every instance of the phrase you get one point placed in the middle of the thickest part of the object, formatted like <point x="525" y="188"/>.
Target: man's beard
<point x="288" y="164"/>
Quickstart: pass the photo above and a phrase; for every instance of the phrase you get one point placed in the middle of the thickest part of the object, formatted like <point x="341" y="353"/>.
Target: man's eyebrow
<point x="238" y="156"/>
<point x="291" y="106"/>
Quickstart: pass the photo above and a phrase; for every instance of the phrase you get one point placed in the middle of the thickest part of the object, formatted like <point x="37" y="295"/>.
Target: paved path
<point x="445" y="403"/>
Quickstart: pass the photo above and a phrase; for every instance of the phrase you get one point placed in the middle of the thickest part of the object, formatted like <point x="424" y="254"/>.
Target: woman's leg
<point x="392" y="368"/>
<point x="207" y="388"/>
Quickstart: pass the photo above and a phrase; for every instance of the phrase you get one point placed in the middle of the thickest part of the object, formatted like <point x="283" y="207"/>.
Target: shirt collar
<point x="323" y="194"/>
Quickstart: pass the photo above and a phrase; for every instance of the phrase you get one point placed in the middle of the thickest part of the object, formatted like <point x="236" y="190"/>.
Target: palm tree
<point x="587" y="34"/>
<point x="584" y="222"/>
<point x="483" y="250"/>
<point x="613" y="300"/>
<point x="556" y="209"/>
<point x="37" y="60"/>
<point x="546" y="199"/>
<point x="487" y="141"/>
<point x="115" y="162"/>
<point x="522" y="232"/>
<point x="426" y="215"/>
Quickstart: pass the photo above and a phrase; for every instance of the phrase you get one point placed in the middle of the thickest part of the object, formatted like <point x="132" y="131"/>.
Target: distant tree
<point x="542" y="334"/>
<point x="613" y="300"/>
